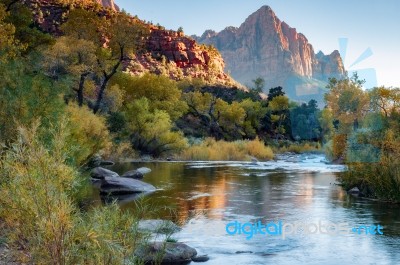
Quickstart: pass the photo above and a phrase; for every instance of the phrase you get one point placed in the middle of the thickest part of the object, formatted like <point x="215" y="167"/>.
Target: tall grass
<point x="212" y="150"/>
<point x="41" y="217"/>
<point x="377" y="180"/>
<point x="299" y="148"/>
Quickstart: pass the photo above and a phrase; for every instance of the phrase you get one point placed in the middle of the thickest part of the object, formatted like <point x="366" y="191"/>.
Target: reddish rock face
<point x="167" y="52"/>
<point x="184" y="53"/>
<point x="181" y="50"/>
<point x="263" y="46"/>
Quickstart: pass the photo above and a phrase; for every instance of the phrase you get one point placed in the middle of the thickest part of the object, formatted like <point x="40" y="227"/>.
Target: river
<point x="207" y="196"/>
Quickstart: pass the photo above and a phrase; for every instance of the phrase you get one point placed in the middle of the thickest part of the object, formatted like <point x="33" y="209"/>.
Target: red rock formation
<point x="176" y="55"/>
<point x="263" y="46"/>
<point x="166" y="52"/>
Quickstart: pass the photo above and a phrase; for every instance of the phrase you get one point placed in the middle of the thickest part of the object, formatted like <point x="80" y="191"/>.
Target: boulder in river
<point x="158" y="226"/>
<point x="167" y="252"/>
<point x="133" y="174"/>
<point x="200" y="258"/>
<point x="120" y="186"/>
<point x="355" y="192"/>
<point x="143" y="170"/>
<point x="101" y="173"/>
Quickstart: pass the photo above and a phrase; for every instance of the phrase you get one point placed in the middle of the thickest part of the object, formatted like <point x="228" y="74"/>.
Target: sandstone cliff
<point x="166" y="52"/>
<point x="173" y="54"/>
<point x="263" y="46"/>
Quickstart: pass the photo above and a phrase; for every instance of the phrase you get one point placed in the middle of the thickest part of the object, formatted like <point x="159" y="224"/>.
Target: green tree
<point x="151" y="130"/>
<point x="26" y="96"/>
<point x="259" y="84"/>
<point x="162" y="92"/>
<point x="125" y="37"/>
<point x="221" y="119"/>
<point x="72" y="58"/>
<point x="347" y="101"/>
<point x="385" y="100"/>
<point x="254" y="113"/>
<point x="279" y="106"/>
<point x="26" y="31"/>
<point x="7" y="37"/>
<point x="275" y="92"/>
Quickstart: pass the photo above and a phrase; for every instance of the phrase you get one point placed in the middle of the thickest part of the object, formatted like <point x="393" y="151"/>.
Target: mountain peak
<point x="264" y="46"/>
<point x="264" y="8"/>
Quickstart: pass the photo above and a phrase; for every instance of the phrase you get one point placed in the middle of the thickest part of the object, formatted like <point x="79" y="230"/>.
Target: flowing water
<point x="207" y="196"/>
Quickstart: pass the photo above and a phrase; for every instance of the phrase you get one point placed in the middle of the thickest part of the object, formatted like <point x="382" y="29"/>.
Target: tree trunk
<point x="80" y="88"/>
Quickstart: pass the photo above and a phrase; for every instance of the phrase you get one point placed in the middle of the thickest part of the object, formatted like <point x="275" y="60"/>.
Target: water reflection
<point x="213" y="195"/>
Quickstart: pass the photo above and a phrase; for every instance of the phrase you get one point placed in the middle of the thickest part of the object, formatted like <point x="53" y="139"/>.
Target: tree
<point x="162" y="92"/>
<point x="278" y="106"/>
<point x="275" y="92"/>
<point x="385" y="100"/>
<point x="83" y="25"/>
<point x="25" y="96"/>
<point x="71" y="57"/>
<point x="259" y="84"/>
<point x="125" y="36"/>
<point x="347" y="101"/>
<point x="26" y="31"/>
<point x="326" y="122"/>
<point x="7" y="37"/>
<point x="348" y="104"/>
<point x="117" y="39"/>
<point x="151" y="130"/>
<point x="87" y="132"/>
<point x="254" y="113"/>
<point x="304" y="121"/>
<point x="221" y="119"/>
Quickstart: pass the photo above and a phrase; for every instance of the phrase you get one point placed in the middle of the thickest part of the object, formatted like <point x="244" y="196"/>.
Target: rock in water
<point x="202" y="258"/>
<point x="172" y="253"/>
<point x="120" y="186"/>
<point x="101" y="173"/>
<point x="355" y="191"/>
<point x="133" y="174"/>
<point x="143" y="170"/>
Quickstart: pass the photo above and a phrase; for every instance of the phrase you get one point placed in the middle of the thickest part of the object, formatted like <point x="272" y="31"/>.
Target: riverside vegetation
<point x="64" y="98"/>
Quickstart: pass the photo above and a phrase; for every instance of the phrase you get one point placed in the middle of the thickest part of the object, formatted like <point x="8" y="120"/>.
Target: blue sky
<point x="366" y="24"/>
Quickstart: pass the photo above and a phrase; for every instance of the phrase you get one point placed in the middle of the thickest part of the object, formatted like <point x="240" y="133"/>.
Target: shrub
<point x="88" y="133"/>
<point x="38" y="208"/>
<point x="211" y="149"/>
<point x="339" y="145"/>
<point x="151" y="131"/>
<point x="299" y="148"/>
<point x="258" y="149"/>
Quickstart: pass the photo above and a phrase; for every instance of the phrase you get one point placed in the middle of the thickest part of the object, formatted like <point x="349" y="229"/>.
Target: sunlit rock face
<point x="264" y="46"/>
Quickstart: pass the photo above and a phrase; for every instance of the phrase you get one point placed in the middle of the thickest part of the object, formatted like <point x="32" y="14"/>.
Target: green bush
<point x="88" y="133"/>
<point x="39" y="211"/>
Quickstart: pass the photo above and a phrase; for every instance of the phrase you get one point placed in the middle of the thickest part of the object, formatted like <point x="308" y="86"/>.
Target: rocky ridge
<point x="264" y="46"/>
<point x="166" y="52"/>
